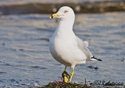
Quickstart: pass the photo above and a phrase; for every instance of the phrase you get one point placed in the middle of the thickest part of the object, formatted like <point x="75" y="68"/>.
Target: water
<point x="11" y="2"/>
<point x="25" y="57"/>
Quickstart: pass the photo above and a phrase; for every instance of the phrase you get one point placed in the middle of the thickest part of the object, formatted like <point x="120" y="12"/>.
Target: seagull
<point x="65" y="46"/>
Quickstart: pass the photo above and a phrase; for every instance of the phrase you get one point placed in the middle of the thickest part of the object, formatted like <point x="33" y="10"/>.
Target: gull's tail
<point x="94" y="58"/>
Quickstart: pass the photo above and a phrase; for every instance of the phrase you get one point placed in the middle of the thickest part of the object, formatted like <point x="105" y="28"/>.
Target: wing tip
<point x="96" y="58"/>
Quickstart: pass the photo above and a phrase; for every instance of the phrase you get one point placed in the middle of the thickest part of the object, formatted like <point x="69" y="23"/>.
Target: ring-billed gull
<point x="65" y="46"/>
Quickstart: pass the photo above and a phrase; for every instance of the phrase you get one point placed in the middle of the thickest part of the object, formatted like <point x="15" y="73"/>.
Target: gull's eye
<point x="65" y="11"/>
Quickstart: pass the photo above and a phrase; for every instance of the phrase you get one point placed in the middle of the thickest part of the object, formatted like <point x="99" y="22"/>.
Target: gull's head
<point x="64" y="13"/>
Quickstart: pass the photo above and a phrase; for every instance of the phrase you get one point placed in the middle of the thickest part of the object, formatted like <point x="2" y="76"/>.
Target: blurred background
<point x="25" y="30"/>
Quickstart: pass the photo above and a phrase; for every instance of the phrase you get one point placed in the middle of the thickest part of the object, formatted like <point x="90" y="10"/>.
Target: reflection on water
<point x="25" y="57"/>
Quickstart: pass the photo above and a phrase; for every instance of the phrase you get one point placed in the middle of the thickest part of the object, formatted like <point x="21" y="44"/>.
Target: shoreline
<point x="96" y="7"/>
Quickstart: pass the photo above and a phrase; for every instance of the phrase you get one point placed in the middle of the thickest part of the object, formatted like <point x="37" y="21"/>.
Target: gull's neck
<point x="65" y="26"/>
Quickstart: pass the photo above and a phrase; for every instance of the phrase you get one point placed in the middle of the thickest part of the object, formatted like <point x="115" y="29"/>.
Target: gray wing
<point x="84" y="47"/>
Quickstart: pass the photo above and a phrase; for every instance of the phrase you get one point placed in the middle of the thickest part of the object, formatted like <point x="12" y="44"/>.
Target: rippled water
<point x="25" y="56"/>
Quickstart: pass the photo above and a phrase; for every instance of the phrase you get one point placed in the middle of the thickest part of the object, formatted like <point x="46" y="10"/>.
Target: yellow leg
<point x="72" y="73"/>
<point x="65" y="68"/>
<point x="65" y="79"/>
<point x="65" y="75"/>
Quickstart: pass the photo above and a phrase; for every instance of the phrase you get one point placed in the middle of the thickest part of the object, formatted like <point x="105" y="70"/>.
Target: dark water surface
<point x="25" y="57"/>
<point x="10" y="2"/>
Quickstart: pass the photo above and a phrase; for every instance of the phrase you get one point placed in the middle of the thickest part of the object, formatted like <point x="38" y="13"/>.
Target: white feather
<point x="64" y="45"/>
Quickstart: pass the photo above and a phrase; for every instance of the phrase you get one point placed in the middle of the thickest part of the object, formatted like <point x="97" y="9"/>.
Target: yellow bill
<point x="54" y="16"/>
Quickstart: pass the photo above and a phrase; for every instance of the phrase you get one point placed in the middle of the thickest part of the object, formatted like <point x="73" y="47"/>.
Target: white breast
<point x="65" y="50"/>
